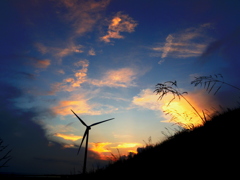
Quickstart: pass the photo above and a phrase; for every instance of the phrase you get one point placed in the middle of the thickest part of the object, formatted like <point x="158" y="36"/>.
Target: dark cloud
<point x="27" y="75"/>
<point x="225" y="46"/>
<point x="31" y="151"/>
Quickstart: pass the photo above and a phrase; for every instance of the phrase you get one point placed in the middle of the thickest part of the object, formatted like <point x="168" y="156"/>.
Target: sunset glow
<point x="100" y="147"/>
<point x="70" y="137"/>
<point x="102" y="59"/>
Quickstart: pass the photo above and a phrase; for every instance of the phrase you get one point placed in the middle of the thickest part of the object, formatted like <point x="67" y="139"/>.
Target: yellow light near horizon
<point x="100" y="147"/>
<point x="127" y="145"/>
<point x="184" y="115"/>
<point x="70" y="137"/>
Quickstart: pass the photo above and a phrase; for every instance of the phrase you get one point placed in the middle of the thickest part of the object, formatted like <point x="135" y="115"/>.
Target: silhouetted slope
<point x="210" y="151"/>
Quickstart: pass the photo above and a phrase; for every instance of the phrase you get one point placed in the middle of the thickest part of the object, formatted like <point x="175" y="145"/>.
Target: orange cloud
<point x="80" y="106"/>
<point x="100" y="147"/>
<point x="101" y="150"/>
<point x="42" y="63"/>
<point x="70" y="84"/>
<point x="120" y="23"/>
<point x="70" y="137"/>
<point x="117" y="78"/>
<point x="68" y="145"/>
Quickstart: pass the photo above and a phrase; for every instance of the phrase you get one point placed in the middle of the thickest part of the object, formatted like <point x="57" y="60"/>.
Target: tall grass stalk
<point x="210" y="82"/>
<point x="163" y="89"/>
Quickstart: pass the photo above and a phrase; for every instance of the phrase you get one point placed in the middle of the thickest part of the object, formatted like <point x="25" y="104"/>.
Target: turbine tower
<point x="86" y="134"/>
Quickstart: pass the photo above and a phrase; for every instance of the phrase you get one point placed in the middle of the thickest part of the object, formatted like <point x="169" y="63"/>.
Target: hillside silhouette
<point x="209" y="151"/>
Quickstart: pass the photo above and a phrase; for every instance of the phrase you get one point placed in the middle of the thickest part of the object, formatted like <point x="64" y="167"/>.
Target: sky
<point x="102" y="59"/>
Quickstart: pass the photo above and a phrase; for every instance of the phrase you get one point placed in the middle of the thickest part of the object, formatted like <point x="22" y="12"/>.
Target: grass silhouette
<point x="170" y="87"/>
<point x="209" y="82"/>
<point x="209" y="151"/>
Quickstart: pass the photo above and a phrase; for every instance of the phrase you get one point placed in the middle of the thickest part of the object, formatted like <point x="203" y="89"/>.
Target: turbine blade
<point x="79" y="118"/>
<point x="101" y="122"/>
<point x="85" y="134"/>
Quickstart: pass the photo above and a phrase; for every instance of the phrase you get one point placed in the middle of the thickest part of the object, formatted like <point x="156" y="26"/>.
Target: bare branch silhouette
<point x="6" y="157"/>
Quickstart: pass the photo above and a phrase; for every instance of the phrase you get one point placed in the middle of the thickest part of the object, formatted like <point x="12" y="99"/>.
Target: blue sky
<point x="102" y="59"/>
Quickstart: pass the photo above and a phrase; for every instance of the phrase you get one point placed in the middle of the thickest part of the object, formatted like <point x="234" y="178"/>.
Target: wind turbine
<point x="86" y="133"/>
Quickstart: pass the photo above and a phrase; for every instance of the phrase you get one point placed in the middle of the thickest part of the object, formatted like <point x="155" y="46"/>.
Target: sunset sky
<point x="102" y="59"/>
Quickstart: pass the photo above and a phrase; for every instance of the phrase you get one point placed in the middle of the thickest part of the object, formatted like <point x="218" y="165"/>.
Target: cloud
<point x="91" y="52"/>
<point x="70" y="137"/>
<point x="42" y="63"/>
<point x="59" y="52"/>
<point x="123" y="77"/>
<point x="83" y="14"/>
<point x="119" y="23"/>
<point x="225" y="45"/>
<point x="38" y="63"/>
<point x="79" y="104"/>
<point x="100" y="147"/>
<point x="71" y="83"/>
<point x="60" y="71"/>
<point x="185" y="44"/>
<point x="147" y="99"/>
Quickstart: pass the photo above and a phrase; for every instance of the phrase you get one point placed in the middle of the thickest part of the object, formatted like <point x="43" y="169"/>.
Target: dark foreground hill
<point x="209" y="152"/>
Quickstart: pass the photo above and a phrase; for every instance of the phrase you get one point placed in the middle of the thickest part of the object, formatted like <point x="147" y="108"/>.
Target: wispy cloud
<point x="43" y="64"/>
<point x="190" y="42"/>
<point x="79" y="104"/>
<point x="82" y="103"/>
<point x="59" y="52"/>
<point x="123" y="77"/>
<point x="91" y="52"/>
<point x="60" y="71"/>
<point x="71" y="83"/>
<point x="82" y="17"/>
<point x="83" y="14"/>
<point x="147" y="99"/>
<point x="119" y="23"/>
